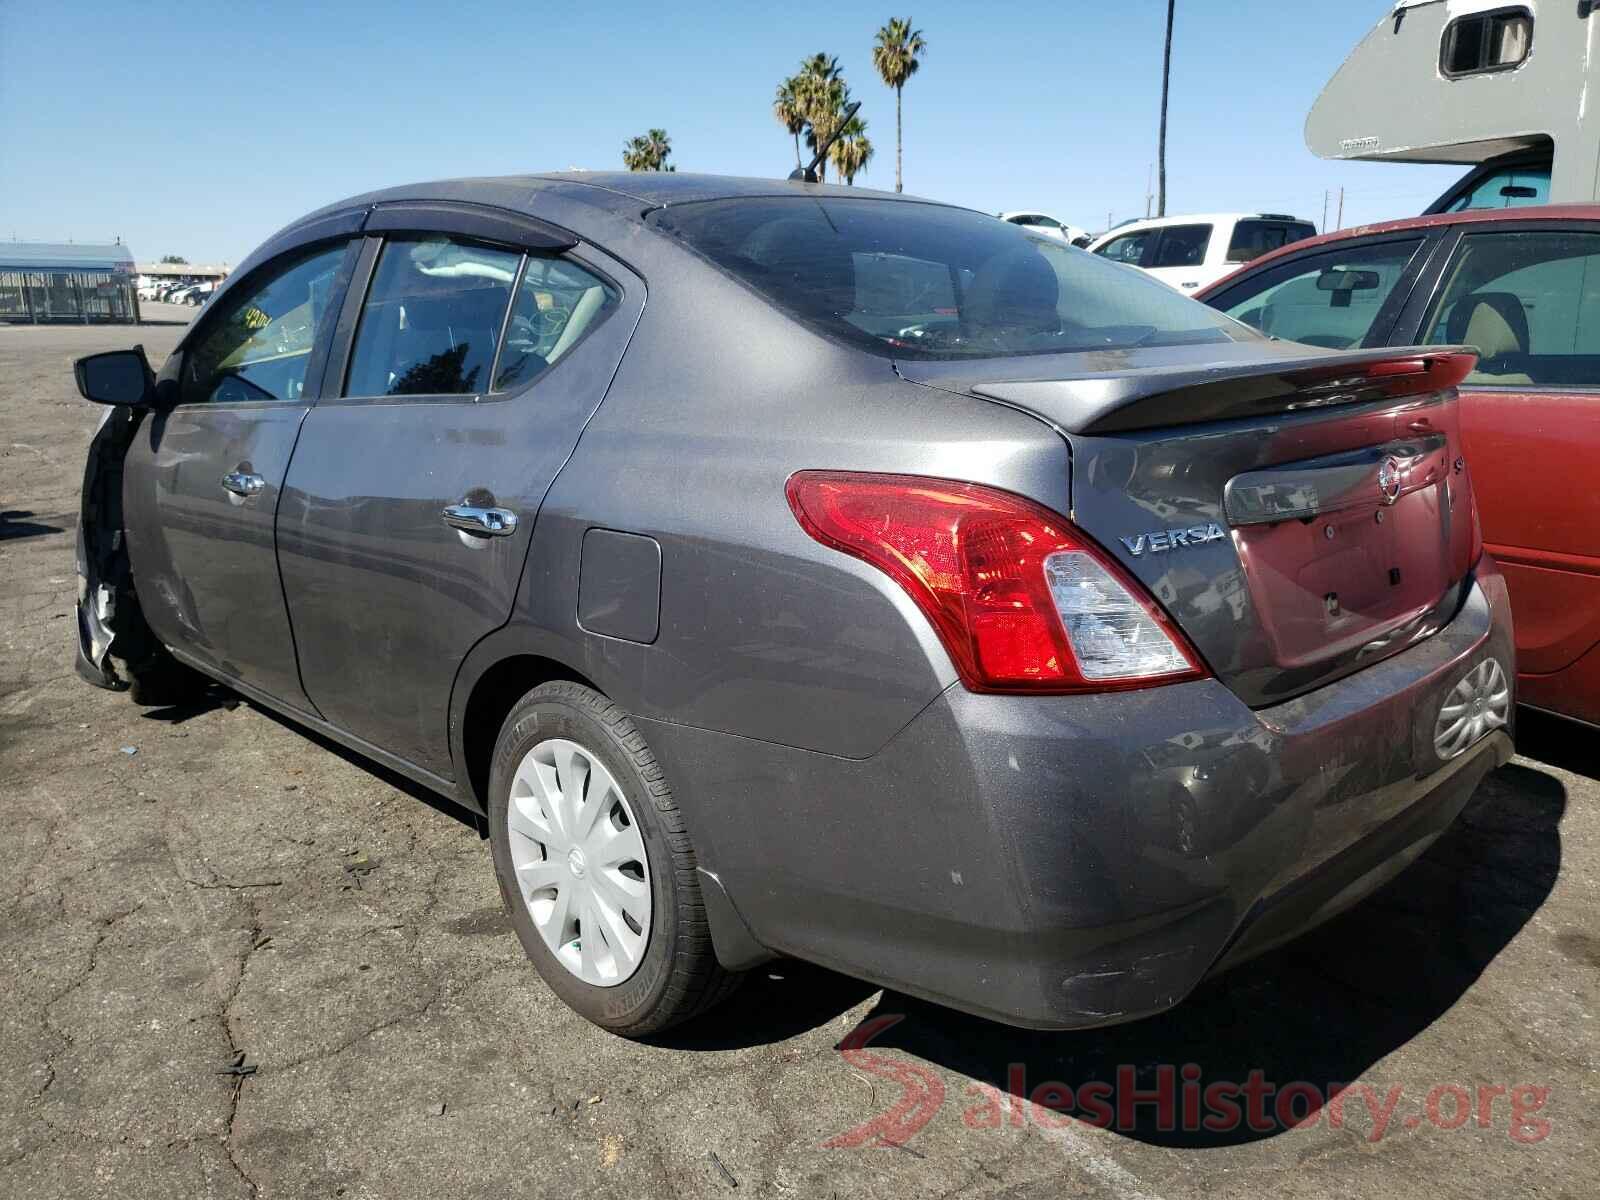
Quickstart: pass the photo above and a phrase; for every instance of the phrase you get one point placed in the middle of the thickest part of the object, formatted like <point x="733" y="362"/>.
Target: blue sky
<point x="198" y="129"/>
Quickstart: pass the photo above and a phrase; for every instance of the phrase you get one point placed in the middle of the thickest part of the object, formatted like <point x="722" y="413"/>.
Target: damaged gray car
<point x="778" y="569"/>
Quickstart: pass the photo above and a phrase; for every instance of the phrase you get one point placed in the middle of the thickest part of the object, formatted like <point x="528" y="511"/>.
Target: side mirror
<point x="1340" y="279"/>
<point x="120" y="377"/>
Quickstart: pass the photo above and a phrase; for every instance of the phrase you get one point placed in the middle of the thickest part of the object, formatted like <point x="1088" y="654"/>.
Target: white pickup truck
<point x="1190" y="252"/>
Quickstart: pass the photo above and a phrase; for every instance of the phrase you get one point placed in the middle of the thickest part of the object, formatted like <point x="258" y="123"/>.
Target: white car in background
<point x="1190" y="252"/>
<point x="1048" y="226"/>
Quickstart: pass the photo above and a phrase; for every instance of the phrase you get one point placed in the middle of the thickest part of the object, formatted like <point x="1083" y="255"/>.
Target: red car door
<point x="1528" y="298"/>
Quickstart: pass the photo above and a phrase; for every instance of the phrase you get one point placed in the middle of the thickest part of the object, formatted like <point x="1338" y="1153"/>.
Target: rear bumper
<point x="1070" y="861"/>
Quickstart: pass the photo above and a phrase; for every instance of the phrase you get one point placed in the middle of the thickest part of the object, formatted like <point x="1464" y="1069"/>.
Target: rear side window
<point x="1182" y="246"/>
<point x="1252" y="239"/>
<point x="911" y="280"/>
<point x="1330" y="300"/>
<point x="1529" y="303"/>
<point x="557" y="303"/>
<point x="432" y="319"/>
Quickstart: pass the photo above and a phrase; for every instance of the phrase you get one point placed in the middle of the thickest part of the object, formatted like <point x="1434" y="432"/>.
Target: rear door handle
<point x="243" y="483"/>
<point x="486" y="522"/>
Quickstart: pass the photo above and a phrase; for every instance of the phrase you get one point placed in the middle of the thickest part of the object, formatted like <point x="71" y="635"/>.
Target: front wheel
<point x="595" y="866"/>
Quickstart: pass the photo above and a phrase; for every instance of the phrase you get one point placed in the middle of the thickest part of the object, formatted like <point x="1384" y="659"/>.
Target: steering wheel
<point x="553" y="320"/>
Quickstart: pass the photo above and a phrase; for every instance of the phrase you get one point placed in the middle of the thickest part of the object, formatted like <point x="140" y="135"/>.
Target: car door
<point x="204" y="475"/>
<point x="1527" y="296"/>
<point x="468" y="360"/>
<point x="1340" y="297"/>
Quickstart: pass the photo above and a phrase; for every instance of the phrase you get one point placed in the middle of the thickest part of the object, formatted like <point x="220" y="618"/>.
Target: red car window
<point x="1529" y="302"/>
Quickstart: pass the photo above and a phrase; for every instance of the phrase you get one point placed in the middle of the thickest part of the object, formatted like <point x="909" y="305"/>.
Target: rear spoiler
<point x="1156" y="397"/>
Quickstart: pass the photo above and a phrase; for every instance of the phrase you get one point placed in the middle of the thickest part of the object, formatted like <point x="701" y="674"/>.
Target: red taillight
<point x="975" y="561"/>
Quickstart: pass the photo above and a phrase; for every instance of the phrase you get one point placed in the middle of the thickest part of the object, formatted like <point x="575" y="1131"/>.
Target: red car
<point x="1523" y="286"/>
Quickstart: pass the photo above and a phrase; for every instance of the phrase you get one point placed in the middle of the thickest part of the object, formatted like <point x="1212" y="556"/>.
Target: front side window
<point x="1182" y="246"/>
<point x="258" y="345"/>
<point x="922" y="281"/>
<point x="432" y="318"/>
<point x="1529" y="303"/>
<point x="1330" y="300"/>
<point x="1129" y="248"/>
<point x="557" y="303"/>
<point x="1508" y="187"/>
<point x="1252" y="239"/>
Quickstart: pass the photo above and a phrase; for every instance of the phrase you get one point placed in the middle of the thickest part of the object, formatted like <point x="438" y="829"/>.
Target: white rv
<point x="1502" y="88"/>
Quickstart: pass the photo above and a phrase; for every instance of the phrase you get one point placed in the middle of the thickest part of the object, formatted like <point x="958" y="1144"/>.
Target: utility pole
<point x="1166" y="79"/>
<point x="1148" y="195"/>
<point x="1108" y="219"/>
<point x="1323" y="228"/>
<point x="1341" y="209"/>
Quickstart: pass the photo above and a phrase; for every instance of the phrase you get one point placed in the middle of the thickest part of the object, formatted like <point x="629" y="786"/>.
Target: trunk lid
<point x="1299" y="515"/>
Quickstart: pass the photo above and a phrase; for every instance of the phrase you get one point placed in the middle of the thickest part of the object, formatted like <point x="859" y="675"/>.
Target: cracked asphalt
<point x="238" y="962"/>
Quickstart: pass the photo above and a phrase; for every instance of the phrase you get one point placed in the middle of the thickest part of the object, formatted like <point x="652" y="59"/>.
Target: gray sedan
<point x="778" y="569"/>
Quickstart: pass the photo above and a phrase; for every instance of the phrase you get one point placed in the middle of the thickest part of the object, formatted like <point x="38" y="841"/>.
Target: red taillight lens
<point x="1021" y="599"/>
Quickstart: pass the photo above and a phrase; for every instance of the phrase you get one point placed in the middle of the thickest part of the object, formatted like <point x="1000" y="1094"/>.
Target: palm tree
<point x="648" y="152"/>
<point x="897" y="55"/>
<point x="790" y="111"/>
<point x="851" y="150"/>
<point x="636" y="154"/>
<point x="660" y="147"/>
<point x="823" y="95"/>
<point x="1161" y="151"/>
<point x="819" y="68"/>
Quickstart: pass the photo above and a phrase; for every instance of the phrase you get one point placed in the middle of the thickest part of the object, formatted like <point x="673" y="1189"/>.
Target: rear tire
<point x="675" y="974"/>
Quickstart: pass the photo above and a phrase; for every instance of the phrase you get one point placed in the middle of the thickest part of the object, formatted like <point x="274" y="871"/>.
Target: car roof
<point x="1472" y="216"/>
<point x="615" y="191"/>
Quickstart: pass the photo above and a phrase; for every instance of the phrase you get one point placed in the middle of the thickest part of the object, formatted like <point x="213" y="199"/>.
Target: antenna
<point x="808" y="173"/>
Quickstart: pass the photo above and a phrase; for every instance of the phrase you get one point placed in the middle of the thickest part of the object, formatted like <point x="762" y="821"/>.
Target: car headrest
<point x="1493" y="322"/>
<point x="1014" y="290"/>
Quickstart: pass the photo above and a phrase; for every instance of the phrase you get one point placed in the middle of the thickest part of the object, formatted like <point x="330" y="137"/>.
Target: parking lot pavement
<point x="236" y="962"/>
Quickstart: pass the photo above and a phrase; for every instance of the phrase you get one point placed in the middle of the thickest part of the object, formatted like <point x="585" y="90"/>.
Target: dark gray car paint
<point x="1055" y="861"/>
<point x="362" y="516"/>
<point x="1068" y="861"/>
<point x="619" y="585"/>
<point x="204" y="558"/>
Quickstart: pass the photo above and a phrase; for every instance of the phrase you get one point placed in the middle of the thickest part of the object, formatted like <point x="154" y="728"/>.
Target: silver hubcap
<point x="1479" y="703"/>
<point x="580" y="862"/>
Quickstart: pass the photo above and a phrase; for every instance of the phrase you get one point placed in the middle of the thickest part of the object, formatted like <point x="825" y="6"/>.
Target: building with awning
<point x="189" y="272"/>
<point x="49" y="282"/>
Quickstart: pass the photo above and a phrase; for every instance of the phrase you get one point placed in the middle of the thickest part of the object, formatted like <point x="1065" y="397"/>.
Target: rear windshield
<point x="909" y="280"/>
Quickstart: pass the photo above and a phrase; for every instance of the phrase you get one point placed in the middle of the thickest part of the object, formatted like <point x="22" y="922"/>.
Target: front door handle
<point x="243" y="483"/>
<point x="485" y="522"/>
